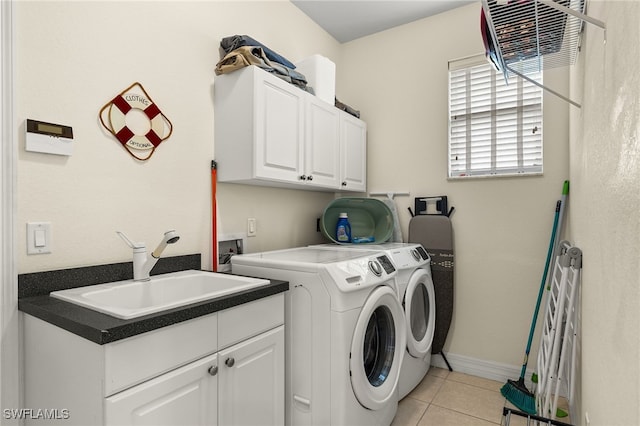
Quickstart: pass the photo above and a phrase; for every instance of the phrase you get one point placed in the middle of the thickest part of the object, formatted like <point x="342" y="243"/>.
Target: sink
<point x="130" y="299"/>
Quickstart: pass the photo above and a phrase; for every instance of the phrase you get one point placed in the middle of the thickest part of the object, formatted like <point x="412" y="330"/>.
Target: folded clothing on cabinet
<point x="233" y="42"/>
<point x="346" y="108"/>
<point x="245" y="56"/>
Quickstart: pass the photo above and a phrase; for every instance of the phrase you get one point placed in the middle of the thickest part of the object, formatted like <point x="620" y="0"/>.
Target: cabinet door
<point x="251" y="381"/>
<point x="322" y="148"/>
<point x="278" y="130"/>
<point x="185" y="396"/>
<point x="353" y="153"/>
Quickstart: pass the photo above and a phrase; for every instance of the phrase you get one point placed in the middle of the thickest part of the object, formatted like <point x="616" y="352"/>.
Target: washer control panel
<point x="386" y="264"/>
<point x="367" y="271"/>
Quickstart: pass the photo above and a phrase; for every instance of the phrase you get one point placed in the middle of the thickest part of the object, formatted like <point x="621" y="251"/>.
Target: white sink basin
<point x="130" y="299"/>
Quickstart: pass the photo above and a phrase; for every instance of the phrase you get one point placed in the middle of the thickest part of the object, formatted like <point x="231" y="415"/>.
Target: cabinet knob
<point x="344" y="183"/>
<point x="310" y="177"/>
<point x="213" y="370"/>
<point x="303" y="177"/>
<point x="229" y="362"/>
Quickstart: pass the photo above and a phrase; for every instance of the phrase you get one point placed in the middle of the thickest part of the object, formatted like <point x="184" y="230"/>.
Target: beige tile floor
<point x="449" y="398"/>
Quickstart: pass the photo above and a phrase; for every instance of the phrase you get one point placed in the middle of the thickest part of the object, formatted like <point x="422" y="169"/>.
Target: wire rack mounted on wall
<point x="528" y="36"/>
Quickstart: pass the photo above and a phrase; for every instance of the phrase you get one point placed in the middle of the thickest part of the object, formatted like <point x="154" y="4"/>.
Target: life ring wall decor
<point x="113" y="117"/>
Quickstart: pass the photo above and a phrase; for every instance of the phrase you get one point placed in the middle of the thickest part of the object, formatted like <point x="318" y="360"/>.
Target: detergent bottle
<point x="343" y="229"/>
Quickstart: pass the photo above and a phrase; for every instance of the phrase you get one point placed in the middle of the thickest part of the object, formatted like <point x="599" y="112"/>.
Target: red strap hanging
<point x="214" y="217"/>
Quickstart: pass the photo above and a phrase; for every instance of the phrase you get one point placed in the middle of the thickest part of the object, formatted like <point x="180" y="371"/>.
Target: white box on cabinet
<point x="320" y="73"/>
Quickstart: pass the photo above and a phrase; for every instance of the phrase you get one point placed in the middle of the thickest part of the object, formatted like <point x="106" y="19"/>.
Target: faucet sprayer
<point x="170" y="237"/>
<point x="142" y="262"/>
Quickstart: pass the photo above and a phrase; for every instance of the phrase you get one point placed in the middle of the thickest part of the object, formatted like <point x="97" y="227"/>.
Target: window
<point x="494" y="128"/>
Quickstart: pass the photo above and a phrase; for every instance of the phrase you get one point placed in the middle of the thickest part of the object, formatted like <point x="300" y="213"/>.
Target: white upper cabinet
<point x="322" y="147"/>
<point x="353" y="166"/>
<point x="269" y="132"/>
<point x="278" y="114"/>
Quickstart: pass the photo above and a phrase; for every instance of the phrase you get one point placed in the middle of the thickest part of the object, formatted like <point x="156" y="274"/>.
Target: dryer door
<point x="420" y="313"/>
<point x="378" y="343"/>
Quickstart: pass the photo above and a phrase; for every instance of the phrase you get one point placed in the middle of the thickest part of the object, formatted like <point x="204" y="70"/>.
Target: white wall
<point x="399" y="79"/>
<point x="605" y="223"/>
<point x="74" y="57"/>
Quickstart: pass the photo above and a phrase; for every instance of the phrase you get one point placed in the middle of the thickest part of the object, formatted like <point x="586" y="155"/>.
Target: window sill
<point x="493" y="176"/>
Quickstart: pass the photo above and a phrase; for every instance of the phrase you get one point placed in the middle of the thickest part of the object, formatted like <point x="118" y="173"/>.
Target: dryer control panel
<point x="408" y="257"/>
<point x="423" y="253"/>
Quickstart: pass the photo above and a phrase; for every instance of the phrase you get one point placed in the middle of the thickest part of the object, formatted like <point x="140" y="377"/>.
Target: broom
<point x="515" y="390"/>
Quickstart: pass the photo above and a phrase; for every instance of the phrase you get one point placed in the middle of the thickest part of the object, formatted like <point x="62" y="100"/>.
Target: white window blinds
<point x="494" y="128"/>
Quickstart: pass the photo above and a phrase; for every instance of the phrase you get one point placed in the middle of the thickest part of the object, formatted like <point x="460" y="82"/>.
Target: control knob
<point x="375" y="268"/>
<point x="416" y="255"/>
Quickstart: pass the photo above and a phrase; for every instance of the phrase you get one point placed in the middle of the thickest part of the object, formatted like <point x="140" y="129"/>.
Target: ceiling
<point x="348" y="20"/>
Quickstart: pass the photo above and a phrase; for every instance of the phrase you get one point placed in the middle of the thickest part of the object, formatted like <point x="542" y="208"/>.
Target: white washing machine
<point x="417" y="296"/>
<point x="344" y="333"/>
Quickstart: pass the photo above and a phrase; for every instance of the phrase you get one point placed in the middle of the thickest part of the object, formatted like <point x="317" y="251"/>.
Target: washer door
<point x="377" y="348"/>
<point x="420" y="313"/>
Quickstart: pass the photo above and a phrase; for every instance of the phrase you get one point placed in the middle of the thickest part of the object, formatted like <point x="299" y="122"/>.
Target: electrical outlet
<point x="251" y="227"/>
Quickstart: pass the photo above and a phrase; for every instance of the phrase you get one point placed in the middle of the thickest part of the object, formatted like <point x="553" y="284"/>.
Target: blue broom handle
<point x="563" y="200"/>
<point x="542" y="286"/>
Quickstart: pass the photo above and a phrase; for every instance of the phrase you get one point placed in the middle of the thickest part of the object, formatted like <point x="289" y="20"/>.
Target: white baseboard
<point x="481" y="368"/>
<point x="487" y="369"/>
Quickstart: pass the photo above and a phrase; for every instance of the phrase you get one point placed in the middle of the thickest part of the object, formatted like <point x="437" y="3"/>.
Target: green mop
<point x="515" y="390"/>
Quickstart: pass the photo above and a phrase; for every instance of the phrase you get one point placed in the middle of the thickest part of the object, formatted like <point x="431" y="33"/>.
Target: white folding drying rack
<point x="530" y="36"/>
<point x="558" y="345"/>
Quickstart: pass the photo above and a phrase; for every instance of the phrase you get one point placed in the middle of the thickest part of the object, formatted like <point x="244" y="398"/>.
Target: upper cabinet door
<point x="278" y="131"/>
<point x="322" y="147"/>
<point x="353" y="153"/>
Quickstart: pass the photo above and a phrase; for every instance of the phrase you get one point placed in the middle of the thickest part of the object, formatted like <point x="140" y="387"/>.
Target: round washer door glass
<point x="420" y="313"/>
<point x="377" y="348"/>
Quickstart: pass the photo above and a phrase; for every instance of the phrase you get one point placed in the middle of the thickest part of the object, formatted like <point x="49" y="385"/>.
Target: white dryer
<point x="417" y="296"/>
<point x="344" y="333"/>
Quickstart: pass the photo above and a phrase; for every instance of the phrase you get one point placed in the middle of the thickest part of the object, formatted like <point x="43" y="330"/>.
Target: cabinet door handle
<point x="344" y="183"/>
<point x="229" y="362"/>
<point x="213" y="370"/>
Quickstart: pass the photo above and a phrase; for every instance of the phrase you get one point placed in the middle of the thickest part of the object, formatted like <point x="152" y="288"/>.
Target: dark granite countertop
<point x="102" y="328"/>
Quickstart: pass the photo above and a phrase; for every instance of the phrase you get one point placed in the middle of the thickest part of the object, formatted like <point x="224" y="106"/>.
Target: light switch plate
<point x="38" y="237"/>
<point x="251" y="227"/>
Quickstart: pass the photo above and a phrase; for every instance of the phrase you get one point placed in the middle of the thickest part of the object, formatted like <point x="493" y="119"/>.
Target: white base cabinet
<point x="251" y="381"/>
<point x="225" y="368"/>
<point x="185" y="396"/>
<point x="269" y="132"/>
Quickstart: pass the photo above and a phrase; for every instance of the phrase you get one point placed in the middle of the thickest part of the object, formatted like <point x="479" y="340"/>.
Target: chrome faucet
<point x="143" y="262"/>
